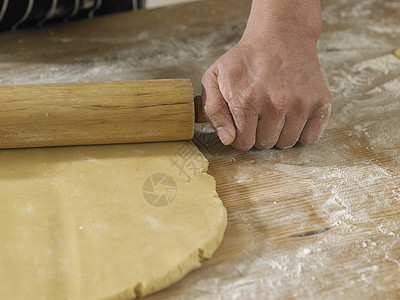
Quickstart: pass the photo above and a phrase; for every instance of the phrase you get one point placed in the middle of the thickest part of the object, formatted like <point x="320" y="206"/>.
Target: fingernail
<point x="224" y="135"/>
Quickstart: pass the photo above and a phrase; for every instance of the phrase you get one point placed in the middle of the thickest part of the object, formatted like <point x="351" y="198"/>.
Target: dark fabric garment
<point x="16" y="14"/>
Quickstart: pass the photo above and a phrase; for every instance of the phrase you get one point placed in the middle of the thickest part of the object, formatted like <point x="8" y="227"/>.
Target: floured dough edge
<point x="189" y="263"/>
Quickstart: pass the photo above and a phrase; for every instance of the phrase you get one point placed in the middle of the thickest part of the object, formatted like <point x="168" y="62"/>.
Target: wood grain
<point x="96" y="113"/>
<point x="315" y="222"/>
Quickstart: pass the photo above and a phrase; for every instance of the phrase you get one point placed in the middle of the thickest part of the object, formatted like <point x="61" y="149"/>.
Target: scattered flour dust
<point x="345" y="197"/>
<point x="345" y="194"/>
<point x="350" y="195"/>
<point x="135" y="58"/>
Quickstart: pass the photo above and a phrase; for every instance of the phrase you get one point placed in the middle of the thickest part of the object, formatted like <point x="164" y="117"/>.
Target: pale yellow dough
<point x="75" y="223"/>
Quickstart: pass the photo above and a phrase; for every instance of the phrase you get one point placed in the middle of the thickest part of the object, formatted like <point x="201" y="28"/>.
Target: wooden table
<point x="311" y="222"/>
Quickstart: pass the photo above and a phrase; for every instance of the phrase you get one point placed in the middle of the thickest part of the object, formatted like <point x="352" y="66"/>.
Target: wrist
<point x="284" y="21"/>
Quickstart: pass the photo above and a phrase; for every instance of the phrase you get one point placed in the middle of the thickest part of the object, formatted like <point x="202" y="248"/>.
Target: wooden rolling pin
<point x="90" y="113"/>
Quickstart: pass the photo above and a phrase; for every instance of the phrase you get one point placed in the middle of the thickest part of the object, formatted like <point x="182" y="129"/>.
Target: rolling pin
<point x="94" y="113"/>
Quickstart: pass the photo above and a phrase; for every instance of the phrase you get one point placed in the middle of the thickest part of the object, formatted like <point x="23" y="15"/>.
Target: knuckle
<point x="267" y="141"/>
<point x="249" y="107"/>
<point x="328" y="97"/>
<point x="286" y="144"/>
<point x="242" y="105"/>
<point x="325" y="110"/>
<point x="302" y="107"/>
<point x="211" y="110"/>
<point x="208" y="77"/>
<point x="325" y="98"/>
<point x="264" y="145"/>
<point x="279" y="101"/>
<point x="326" y="101"/>
<point x="243" y="147"/>
<point x="244" y="141"/>
<point x="308" y="140"/>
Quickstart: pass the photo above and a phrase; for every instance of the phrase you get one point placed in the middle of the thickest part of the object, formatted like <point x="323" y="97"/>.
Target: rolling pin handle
<point x="198" y="108"/>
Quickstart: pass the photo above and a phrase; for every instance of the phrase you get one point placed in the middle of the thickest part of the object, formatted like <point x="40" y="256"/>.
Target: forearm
<point x="284" y="20"/>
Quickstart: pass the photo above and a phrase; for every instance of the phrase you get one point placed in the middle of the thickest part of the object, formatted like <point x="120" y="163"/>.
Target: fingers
<point x="282" y="131"/>
<point x="315" y="125"/>
<point x="246" y="119"/>
<point x="298" y="123"/>
<point x="291" y="131"/>
<point x="247" y="115"/>
<point x="238" y="124"/>
<point x="216" y="110"/>
<point x="234" y="119"/>
<point x="268" y="130"/>
<point x="279" y="125"/>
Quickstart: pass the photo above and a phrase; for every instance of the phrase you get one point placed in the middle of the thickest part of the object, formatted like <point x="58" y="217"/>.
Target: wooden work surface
<point x="316" y="222"/>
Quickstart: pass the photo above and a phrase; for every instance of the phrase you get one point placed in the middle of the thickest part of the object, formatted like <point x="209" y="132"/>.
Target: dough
<point x="104" y="222"/>
<point x="397" y="53"/>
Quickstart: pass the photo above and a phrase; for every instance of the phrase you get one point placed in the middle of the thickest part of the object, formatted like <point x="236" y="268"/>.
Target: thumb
<point x="216" y="110"/>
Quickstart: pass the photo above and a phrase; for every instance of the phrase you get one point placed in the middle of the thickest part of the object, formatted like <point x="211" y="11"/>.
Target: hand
<point x="268" y="91"/>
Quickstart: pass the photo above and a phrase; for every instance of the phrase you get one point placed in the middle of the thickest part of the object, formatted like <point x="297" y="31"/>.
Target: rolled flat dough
<point x="104" y="222"/>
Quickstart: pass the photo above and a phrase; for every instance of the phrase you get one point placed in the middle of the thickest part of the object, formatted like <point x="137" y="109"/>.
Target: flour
<point x="382" y="64"/>
<point x="243" y="178"/>
<point x="316" y="222"/>
<point x="339" y="190"/>
<point x="152" y="60"/>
